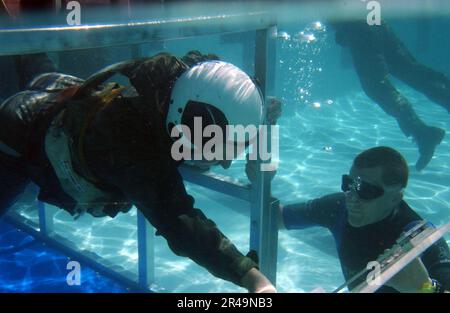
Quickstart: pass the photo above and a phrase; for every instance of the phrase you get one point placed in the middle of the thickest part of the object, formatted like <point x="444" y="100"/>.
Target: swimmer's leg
<point x="402" y="64"/>
<point x="374" y="79"/>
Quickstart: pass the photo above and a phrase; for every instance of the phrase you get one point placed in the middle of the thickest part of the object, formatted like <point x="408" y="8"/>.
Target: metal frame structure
<point x="263" y="230"/>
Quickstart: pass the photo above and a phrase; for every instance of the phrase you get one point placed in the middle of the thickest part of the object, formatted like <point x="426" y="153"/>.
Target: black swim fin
<point x="427" y="142"/>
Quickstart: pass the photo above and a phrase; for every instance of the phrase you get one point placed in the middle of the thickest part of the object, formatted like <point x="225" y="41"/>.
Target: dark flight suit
<point x="126" y="151"/>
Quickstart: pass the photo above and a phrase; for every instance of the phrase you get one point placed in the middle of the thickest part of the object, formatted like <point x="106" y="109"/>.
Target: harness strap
<point x="35" y="140"/>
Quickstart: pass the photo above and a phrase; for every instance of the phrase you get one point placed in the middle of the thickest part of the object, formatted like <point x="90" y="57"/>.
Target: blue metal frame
<point x="60" y="244"/>
<point x="46" y="214"/>
<point x="146" y="252"/>
<point x="216" y="182"/>
<point x="51" y="38"/>
<point x="263" y="219"/>
<point x="263" y="236"/>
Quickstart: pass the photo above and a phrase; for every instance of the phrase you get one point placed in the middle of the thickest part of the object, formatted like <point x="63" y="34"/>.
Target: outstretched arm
<point x="157" y="189"/>
<point x="325" y="211"/>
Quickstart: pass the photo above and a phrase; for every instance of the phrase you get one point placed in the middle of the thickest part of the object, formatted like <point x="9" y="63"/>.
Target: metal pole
<point x="45" y="218"/>
<point x="263" y="226"/>
<point x="146" y="252"/>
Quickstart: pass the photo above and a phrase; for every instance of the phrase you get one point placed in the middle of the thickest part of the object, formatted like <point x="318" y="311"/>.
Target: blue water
<point x="28" y="265"/>
<point x="327" y="120"/>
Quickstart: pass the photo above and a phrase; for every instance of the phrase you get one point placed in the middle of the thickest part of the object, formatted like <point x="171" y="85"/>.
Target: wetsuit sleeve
<point x="324" y="211"/>
<point x="157" y="189"/>
<point x="437" y="261"/>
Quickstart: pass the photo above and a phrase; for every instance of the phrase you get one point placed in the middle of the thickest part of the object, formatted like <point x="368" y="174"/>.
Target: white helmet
<point x="222" y="91"/>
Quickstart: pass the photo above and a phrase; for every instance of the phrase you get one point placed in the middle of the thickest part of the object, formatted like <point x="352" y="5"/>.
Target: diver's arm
<point x="437" y="261"/>
<point x="324" y="211"/>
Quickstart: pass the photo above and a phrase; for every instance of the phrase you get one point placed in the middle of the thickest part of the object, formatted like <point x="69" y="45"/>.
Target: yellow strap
<point x="428" y="288"/>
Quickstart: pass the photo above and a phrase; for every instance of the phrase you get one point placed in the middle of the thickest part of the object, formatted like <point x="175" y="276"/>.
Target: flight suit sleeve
<point x="157" y="190"/>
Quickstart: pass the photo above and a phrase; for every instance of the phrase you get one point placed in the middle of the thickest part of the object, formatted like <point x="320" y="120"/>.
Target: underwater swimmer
<point x="377" y="53"/>
<point x="367" y="218"/>
<point x="94" y="147"/>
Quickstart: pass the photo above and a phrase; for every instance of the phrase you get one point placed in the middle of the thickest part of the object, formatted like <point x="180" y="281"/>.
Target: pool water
<point x="28" y="265"/>
<point x="327" y="119"/>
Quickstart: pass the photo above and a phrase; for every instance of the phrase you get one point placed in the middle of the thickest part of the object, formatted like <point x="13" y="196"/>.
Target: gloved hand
<point x="253" y="255"/>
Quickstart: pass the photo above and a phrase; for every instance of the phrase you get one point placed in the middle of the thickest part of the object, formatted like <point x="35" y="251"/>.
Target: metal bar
<point x="146" y="251"/>
<point x="136" y="51"/>
<point x="58" y="5"/>
<point x="247" y="41"/>
<point x="418" y="245"/>
<point x="248" y="56"/>
<point x="63" y="38"/>
<point x="45" y="218"/>
<point x="257" y="191"/>
<point x="269" y="252"/>
<point x="263" y="226"/>
<point x="216" y="182"/>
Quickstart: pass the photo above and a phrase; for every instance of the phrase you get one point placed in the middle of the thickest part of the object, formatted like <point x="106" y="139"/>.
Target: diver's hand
<point x="251" y="170"/>
<point x="411" y="278"/>
<point x="254" y="281"/>
<point x="273" y="110"/>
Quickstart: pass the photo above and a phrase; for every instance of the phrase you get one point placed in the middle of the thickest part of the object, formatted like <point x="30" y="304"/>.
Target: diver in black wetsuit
<point x="367" y="218"/>
<point x="377" y="52"/>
